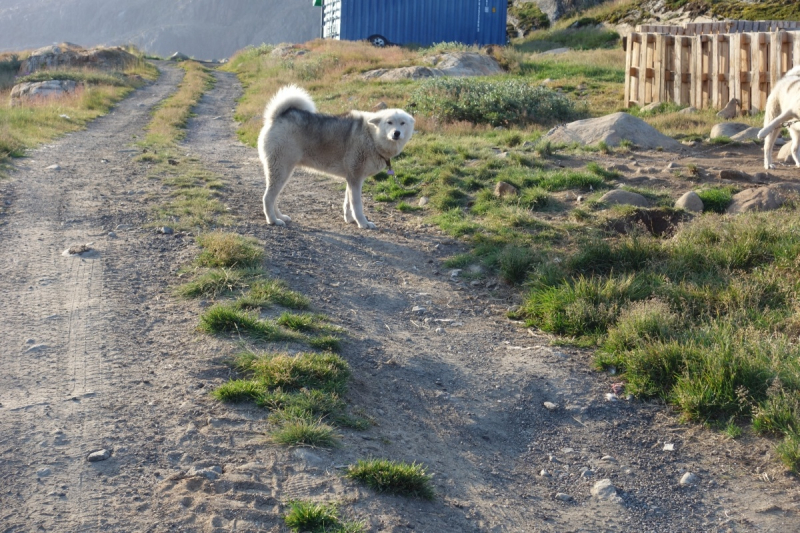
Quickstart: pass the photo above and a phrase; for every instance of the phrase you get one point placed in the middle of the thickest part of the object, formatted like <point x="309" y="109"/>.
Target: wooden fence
<point x="727" y="26"/>
<point x="707" y="70"/>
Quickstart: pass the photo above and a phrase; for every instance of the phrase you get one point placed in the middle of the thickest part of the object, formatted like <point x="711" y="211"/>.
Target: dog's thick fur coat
<point x="783" y="105"/>
<point x="353" y="146"/>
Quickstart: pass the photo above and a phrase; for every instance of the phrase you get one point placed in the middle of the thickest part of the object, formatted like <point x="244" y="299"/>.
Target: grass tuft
<point x="228" y="250"/>
<point x="305" y="516"/>
<point x="393" y="477"/>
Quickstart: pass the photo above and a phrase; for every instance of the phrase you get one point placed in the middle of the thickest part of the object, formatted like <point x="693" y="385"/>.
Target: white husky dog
<point x="783" y="105"/>
<point x="354" y="146"/>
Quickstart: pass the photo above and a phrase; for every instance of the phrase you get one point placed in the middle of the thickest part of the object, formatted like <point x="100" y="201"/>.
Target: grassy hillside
<point x="705" y="320"/>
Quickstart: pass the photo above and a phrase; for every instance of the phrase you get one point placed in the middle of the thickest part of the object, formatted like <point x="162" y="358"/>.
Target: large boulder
<point x="73" y="56"/>
<point x="691" y="202"/>
<point x="555" y="9"/>
<point x="42" y="90"/>
<point x="623" y="197"/>
<point x="758" y="199"/>
<point x="750" y="134"/>
<point x="727" y="129"/>
<point x="613" y="129"/>
<point x="402" y="73"/>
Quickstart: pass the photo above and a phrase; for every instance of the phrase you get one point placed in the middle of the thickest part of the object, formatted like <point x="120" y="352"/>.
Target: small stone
<point x="54" y="167"/>
<point x="622" y="197"/>
<point x="503" y="189"/>
<point x="544" y="473"/>
<point x="43" y="472"/>
<point x="729" y="111"/>
<point x="760" y="177"/>
<point x="423" y="201"/>
<point x="439" y="330"/>
<point x="166" y="230"/>
<point x="587" y="472"/>
<point x="579" y="199"/>
<point x="668" y="447"/>
<point x="690" y="201"/>
<point x="608" y="459"/>
<point x="734" y="175"/>
<point x="380" y="106"/>
<point x="688" y="479"/>
<point x="563" y="497"/>
<point x="550" y="406"/>
<point x="418" y="309"/>
<point x="604" y="490"/>
<point x="455" y="273"/>
<point x="688" y="111"/>
<point x="672" y="165"/>
<point x="651" y="107"/>
<point x="112" y="234"/>
<point x="99" y="455"/>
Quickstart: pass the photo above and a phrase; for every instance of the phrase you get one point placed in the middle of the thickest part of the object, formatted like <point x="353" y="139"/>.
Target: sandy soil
<point x="97" y="354"/>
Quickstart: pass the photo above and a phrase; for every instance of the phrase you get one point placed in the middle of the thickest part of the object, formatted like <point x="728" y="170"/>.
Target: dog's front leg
<point x="353" y="198"/>
<point x="769" y="142"/>
<point x="348" y="211"/>
<point x="795" y="134"/>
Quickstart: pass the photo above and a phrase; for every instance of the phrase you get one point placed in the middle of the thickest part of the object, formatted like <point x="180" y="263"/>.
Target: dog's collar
<point x="388" y="162"/>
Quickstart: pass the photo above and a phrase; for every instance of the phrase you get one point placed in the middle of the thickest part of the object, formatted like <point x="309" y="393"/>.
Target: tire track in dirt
<point x="60" y="371"/>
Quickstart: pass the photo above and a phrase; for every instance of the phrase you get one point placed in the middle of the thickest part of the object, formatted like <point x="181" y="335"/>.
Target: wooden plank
<point x="735" y="69"/>
<point x="755" y="56"/>
<point x="774" y="66"/>
<point x="642" y="64"/>
<point x="660" y="67"/>
<point x="677" y="69"/>
<point x="629" y="70"/>
<point x="714" y="67"/>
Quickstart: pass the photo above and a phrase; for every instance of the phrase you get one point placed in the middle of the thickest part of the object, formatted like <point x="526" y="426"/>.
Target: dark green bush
<point x="494" y="102"/>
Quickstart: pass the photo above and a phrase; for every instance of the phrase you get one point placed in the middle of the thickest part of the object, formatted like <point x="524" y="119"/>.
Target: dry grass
<point x="169" y="121"/>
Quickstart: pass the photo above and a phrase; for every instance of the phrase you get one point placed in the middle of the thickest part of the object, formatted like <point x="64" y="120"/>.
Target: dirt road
<point x="97" y="355"/>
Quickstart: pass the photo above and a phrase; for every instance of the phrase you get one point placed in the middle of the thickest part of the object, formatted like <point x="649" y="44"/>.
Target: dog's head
<point x="392" y="127"/>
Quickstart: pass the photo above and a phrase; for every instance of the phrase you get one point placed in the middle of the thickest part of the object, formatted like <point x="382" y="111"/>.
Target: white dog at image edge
<point x="353" y="146"/>
<point x="783" y="105"/>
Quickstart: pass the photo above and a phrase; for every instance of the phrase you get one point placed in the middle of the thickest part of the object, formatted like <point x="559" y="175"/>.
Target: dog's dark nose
<point x="396" y="135"/>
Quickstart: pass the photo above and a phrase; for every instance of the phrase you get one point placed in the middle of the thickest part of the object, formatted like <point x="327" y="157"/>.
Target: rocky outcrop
<point x="758" y="199"/>
<point x="456" y="64"/>
<point x="73" y="56"/>
<point x="43" y="90"/>
<point x="556" y="9"/>
<point x="622" y="197"/>
<point x="612" y="130"/>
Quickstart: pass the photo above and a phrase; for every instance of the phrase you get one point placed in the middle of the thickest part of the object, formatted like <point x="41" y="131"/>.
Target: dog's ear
<point x="376" y="120"/>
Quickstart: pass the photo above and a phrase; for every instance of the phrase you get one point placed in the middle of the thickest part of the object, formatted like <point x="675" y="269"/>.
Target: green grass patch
<point x="302" y="392"/>
<point x="717" y="199"/>
<point x="500" y="102"/>
<point x="393" y="477"/>
<point x="225" y="318"/>
<point x="585" y="38"/>
<point x="305" y="516"/>
<point x="229" y="250"/>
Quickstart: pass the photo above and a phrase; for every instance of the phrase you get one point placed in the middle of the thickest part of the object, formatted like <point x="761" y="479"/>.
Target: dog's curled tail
<point x="288" y="97"/>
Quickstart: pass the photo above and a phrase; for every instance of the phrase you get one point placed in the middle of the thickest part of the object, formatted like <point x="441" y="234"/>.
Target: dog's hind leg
<point x="353" y="198"/>
<point x="795" y="134"/>
<point x="277" y="176"/>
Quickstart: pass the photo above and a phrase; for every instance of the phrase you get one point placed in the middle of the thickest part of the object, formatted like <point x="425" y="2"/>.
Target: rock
<point x="618" y="167"/>
<point x="550" y="406"/>
<point x="41" y="90"/>
<point x="455" y="272"/>
<point x="43" y="472"/>
<point x="734" y="175"/>
<point x="166" y="230"/>
<point x="544" y="473"/>
<point x="750" y="134"/>
<point x="727" y="129"/>
<point x="54" y="167"/>
<point x="604" y="490"/>
<point x="785" y="155"/>
<point x="688" y="111"/>
<point x="608" y="459"/>
<point x="423" y="201"/>
<point x="758" y="199"/>
<point x="623" y="197"/>
<point x="462" y="64"/>
<point x="587" y="472"/>
<point x="564" y="497"/>
<point x="503" y="189"/>
<point x="760" y="177"/>
<point x="688" y="479"/>
<point x="380" y="106"/>
<point x="556" y="51"/>
<point x="729" y="111"/>
<point x="112" y="234"/>
<point x="418" y="309"/>
<point x="99" y="455"/>
<point x="650" y="107"/>
<point x="402" y="73"/>
<point x="211" y="473"/>
<point x="73" y="56"/>
<point x="672" y="165"/>
<point x="178" y="56"/>
<point x="691" y="202"/>
<point x="612" y="129"/>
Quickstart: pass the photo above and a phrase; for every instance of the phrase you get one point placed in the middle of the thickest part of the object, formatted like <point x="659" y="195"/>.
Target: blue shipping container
<point x="422" y="22"/>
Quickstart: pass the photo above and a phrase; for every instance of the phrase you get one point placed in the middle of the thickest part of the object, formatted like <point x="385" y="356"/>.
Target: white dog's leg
<point x="769" y="142"/>
<point x="795" y="134"/>
<point x="357" y="209"/>
<point x="348" y="211"/>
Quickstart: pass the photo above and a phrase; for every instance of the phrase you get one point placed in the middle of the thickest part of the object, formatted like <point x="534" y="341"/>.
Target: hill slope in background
<point x="205" y="29"/>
